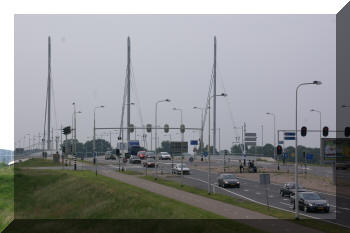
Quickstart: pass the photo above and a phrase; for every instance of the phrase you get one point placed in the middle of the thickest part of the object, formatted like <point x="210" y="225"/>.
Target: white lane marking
<point x="245" y="190"/>
<point x="257" y="193"/>
<point x="285" y="204"/>
<point x="285" y="199"/>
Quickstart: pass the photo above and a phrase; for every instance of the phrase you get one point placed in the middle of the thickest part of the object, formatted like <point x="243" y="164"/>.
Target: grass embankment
<point x="65" y="194"/>
<point x="312" y="223"/>
<point x="35" y="162"/>
<point x="6" y="195"/>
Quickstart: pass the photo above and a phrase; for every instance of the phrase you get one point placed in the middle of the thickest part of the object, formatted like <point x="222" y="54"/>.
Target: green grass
<point x="6" y="196"/>
<point x="35" y="162"/>
<point x="66" y="194"/>
<point x="312" y="223"/>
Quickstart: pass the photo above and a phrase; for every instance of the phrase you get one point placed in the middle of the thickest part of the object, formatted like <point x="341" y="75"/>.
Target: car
<point x="164" y="156"/>
<point x="149" y="162"/>
<point x="134" y="159"/>
<point x="177" y="169"/>
<point x="109" y="155"/>
<point x="311" y="202"/>
<point x="228" y="180"/>
<point x="141" y="154"/>
<point x="150" y="154"/>
<point x="288" y="189"/>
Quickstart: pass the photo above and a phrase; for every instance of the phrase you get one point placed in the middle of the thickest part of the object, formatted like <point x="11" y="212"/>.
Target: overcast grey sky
<point x="260" y="61"/>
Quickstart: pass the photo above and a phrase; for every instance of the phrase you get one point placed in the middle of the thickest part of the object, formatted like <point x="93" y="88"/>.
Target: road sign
<point x="289" y="133"/>
<point x="265" y="178"/>
<point x="289" y="138"/>
<point x="309" y="156"/>
<point x="194" y="142"/>
<point x="250" y="139"/>
<point x="250" y="135"/>
<point x="281" y="142"/>
<point x="179" y="147"/>
<point x="285" y="155"/>
<point x="133" y="143"/>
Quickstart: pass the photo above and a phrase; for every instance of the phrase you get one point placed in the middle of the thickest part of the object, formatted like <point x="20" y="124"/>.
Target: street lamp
<point x="296" y="145"/>
<point x="274" y="138"/>
<point x="155" y="131"/>
<point x="94" y="137"/>
<point x="182" y="139"/>
<point x="209" y="189"/>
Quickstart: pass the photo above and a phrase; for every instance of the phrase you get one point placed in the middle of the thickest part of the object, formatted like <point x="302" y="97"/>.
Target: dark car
<point x="228" y="180"/>
<point x="149" y="162"/>
<point x="288" y="189"/>
<point x="134" y="159"/>
<point x="311" y="202"/>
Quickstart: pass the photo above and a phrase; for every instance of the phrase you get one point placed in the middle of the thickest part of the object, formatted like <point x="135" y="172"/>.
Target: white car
<point x="164" y="156"/>
<point x="177" y="169"/>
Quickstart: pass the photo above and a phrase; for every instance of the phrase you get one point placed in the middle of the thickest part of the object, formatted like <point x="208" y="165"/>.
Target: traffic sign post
<point x="265" y="180"/>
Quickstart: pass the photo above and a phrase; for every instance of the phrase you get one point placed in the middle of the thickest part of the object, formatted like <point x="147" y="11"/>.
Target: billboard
<point x="333" y="149"/>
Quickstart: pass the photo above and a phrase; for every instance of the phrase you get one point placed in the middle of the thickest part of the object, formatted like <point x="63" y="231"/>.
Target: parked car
<point x="150" y="154"/>
<point x="228" y="180"/>
<point x="149" y="162"/>
<point x="288" y="189"/>
<point x="164" y="156"/>
<point x="141" y="154"/>
<point x="109" y="155"/>
<point x="311" y="201"/>
<point x="177" y="169"/>
<point x="134" y="159"/>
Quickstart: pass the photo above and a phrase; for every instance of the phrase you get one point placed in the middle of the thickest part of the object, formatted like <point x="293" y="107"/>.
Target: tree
<point x="236" y="149"/>
<point x="101" y="145"/>
<point x="268" y="150"/>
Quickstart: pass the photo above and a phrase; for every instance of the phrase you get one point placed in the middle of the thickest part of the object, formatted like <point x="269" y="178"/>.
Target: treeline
<point x="268" y="150"/>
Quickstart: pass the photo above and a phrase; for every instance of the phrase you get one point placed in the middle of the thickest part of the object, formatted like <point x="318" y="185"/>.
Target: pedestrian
<point x="240" y="166"/>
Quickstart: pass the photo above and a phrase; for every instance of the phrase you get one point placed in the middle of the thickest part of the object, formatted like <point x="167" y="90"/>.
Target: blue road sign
<point x="289" y="134"/>
<point x="285" y="155"/>
<point x="194" y="142"/>
<point x="289" y="138"/>
<point x="281" y="142"/>
<point x="309" y="156"/>
<point x="205" y="154"/>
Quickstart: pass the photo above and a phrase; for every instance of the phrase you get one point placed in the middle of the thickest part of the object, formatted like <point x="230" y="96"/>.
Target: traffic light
<point x="149" y="128"/>
<point x="119" y="138"/>
<point x="131" y="128"/>
<point x="325" y="131"/>
<point x="66" y="130"/>
<point x="347" y="131"/>
<point x="166" y="128"/>
<point x="279" y="149"/>
<point x="182" y="128"/>
<point x="303" y="131"/>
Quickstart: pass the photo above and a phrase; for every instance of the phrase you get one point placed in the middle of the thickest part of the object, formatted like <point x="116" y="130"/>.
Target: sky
<point x="260" y="61"/>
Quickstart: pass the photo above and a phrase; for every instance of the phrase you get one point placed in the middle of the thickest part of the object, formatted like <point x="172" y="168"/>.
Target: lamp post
<point x="274" y="139"/>
<point x="296" y="146"/>
<point x="202" y="126"/>
<point x="182" y="139"/>
<point x="155" y="131"/>
<point x="209" y="189"/>
<point x="94" y="137"/>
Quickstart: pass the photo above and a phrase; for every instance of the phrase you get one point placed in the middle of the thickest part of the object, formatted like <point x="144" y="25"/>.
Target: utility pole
<point x="214" y="100"/>
<point x="128" y="92"/>
<point x="49" y="96"/>
<point x="262" y="135"/>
